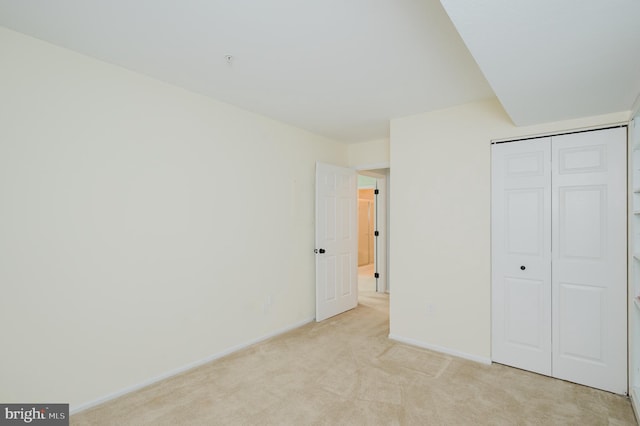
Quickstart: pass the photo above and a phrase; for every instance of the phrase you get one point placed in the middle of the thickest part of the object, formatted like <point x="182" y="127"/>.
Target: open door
<point x="336" y="240"/>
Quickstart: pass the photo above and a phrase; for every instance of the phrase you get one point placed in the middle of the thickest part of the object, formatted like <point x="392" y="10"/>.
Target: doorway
<point x="366" y="234"/>
<point x="337" y="240"/>
<point x="373" y="231"/>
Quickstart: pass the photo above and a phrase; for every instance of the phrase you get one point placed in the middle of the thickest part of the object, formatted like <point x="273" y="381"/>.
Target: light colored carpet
<point x="345" y="371"/>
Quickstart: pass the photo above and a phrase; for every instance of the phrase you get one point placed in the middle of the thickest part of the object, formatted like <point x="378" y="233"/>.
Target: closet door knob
<point x="522" y="268"/>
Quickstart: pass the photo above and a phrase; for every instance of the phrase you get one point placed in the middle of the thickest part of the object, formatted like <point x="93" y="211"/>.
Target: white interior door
<point x="521" y="254"/>
<point x="589" y="259"/>
<point x="336" y="240"/>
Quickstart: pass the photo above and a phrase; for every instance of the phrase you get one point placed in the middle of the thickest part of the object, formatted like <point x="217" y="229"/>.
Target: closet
<point x="559" y="257"/>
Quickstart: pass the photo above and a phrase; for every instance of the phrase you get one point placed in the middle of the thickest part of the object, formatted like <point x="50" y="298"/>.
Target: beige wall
<point x="133" y="241"/>
<point x="440" y="245"/>
<point x="371" y="153"/>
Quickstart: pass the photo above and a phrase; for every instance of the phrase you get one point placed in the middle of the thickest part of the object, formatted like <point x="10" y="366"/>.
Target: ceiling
<point x="551" y="60"/>
<point x="343" y="69"/>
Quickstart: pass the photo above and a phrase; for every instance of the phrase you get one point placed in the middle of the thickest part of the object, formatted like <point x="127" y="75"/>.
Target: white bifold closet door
<point x="521" y="254"/>
<point x="559" y="257"/>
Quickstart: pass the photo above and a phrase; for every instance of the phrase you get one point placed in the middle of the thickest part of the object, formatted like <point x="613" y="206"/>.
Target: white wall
<point x="142" y="227"/>
<point x="440" y="246"/>
<point x="370" y="153"/>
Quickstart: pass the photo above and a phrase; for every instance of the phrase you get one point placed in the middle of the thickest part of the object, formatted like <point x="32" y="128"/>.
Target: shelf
<point x="634" y="238"/>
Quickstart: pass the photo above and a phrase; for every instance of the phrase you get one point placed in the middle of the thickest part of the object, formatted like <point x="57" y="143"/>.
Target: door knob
<point x="319" y="251"/>
<point x="522" y="268"/>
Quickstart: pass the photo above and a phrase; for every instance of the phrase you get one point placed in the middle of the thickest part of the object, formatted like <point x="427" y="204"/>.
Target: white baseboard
<point x="174" y="372"/>
<point x="441" y="349"/>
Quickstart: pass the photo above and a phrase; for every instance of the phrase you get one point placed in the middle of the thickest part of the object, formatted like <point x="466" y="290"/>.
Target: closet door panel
<point x="521" y="244"/>
<point x="589" y="258"/>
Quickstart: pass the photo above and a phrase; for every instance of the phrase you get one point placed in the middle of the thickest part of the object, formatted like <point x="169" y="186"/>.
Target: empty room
<point x="179" y="212"/>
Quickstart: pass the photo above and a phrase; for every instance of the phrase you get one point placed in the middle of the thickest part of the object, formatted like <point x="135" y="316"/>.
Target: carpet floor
<point x="345" y="371"/>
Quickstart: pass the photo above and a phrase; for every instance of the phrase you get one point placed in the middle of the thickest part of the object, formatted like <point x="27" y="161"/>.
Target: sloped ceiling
<point x="550" y="60"/>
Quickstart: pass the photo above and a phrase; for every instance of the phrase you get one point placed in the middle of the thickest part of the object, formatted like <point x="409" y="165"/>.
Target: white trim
<point x="381" y="245"/>
<point x="441" y="349"/>
<point x="374" y="166"/>
<point x="560" y="132"/>
<point x="184" y="368"/>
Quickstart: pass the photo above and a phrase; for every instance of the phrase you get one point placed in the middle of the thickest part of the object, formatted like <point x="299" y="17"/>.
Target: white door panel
<point x="524" y="215"/>
<point x="589" y="262"/>
<point x="580" y="320"/>
<point x="336" y="240"/>
<point x="524" y="299"/>
<point x="581" y="222"/>
<point x="521" y="245"/>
